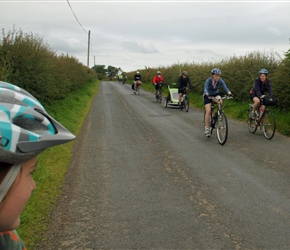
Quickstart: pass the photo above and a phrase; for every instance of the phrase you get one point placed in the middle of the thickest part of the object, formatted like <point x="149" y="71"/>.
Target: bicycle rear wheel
<point x="252" y="126"/>
<point x="222" y="128"/>
<point x="268" y="124"/>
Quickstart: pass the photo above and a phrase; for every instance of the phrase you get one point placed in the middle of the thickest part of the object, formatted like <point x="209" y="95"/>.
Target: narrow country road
<point x="145" y="177"/>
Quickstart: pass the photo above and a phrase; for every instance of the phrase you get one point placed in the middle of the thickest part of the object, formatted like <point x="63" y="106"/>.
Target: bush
<point x="29" y="63"/>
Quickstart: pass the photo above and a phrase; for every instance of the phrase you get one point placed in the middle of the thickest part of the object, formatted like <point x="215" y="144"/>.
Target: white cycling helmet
<point x="26" y="129"/>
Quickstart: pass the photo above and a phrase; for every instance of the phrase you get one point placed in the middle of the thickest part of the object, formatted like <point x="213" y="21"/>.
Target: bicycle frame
<point x="159" y="93"/>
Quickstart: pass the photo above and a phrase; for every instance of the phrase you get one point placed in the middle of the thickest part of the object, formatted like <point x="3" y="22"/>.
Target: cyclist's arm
<point x="206" y="84"/>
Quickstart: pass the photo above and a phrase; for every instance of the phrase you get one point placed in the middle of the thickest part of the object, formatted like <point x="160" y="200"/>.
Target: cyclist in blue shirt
<point x="211" y="88"/>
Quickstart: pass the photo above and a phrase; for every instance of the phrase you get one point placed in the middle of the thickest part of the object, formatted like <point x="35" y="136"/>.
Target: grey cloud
<point x="139" y="47"/>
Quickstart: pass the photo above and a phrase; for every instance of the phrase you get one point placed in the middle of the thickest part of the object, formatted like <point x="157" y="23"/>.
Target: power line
<point x="76" y="16"/>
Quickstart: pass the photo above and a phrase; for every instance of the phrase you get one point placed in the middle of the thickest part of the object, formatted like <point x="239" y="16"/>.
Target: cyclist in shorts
<point x="158" y="80"/>
<point x="137" y="78"/>
<point x="182" y="82"/>
<point x="261" y="86"/>
<point x="211" y="89"/>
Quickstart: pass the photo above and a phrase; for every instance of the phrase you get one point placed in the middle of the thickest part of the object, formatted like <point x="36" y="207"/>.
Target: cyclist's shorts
<point x="252" y="95"/>
<point x="157" y="85"/>
<point x="181" y="90"/>
<point x="206" y="100"/>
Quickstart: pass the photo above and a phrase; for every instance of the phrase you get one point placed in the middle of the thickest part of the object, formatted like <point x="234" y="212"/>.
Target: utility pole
<point x="89" y="37"/>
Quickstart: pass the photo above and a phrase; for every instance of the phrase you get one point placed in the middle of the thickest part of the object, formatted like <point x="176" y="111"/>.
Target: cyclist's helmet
<point x="137" y="72"/>
<point x="263" y="71"/>
<point x="216" y="71"/>
<point x="158" y="72"/>
<point x="184" y="73"/>
<point x="26" y="129"/>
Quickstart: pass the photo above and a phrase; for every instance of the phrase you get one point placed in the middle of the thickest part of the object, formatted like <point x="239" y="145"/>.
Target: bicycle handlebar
<point x="221" y="97"/>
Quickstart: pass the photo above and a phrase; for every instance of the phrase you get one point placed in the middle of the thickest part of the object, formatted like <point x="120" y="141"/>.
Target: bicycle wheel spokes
<point x="268" y="124"/>
<point x="222" y="128"/>
<point x="251" y="122"/>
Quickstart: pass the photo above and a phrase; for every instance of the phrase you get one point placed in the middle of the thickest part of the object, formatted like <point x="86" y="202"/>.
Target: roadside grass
<point x="53" y="164"/>
<point x="233" y="109"/>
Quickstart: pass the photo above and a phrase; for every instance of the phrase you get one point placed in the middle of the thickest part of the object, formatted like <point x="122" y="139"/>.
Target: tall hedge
<point x="28" y="62"/>
<point x="239" y="74"/>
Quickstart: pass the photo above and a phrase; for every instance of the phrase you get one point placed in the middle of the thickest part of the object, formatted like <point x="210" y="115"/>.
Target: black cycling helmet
<point x="26" y="129"/>
<point x="216" y="71"/>
<point x="184" y="73"/>
<point x="263" y="71"/>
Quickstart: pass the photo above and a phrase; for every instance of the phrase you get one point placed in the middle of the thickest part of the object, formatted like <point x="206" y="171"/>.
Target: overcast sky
<point x="135" y="34"/>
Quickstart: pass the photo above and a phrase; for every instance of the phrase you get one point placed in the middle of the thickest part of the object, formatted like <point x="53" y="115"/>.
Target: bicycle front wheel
<point x="222" y="128"/>
<point x="252" y="126"/>
<point x="186" y="103"/>
<point x="268" y="124"/>
<point x="160" y="96"/>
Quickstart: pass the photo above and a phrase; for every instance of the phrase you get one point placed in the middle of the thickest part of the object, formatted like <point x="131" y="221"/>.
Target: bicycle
<point x="158" y="95"/>
<point x="266" y="121"/>
<point x="185" y="100"/>
<point x="218" y="119"/>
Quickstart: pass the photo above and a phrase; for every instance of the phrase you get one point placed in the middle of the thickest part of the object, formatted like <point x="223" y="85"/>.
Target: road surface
<point x="145" y="177"/>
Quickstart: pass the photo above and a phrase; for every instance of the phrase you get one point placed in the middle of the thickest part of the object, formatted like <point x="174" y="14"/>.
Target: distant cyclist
<point x="182" y="83"/>
<point x="211" y="88"/>
<point x="261" y="86"/>
<point x="158" y="80"/>
<point x="137" y="80"/>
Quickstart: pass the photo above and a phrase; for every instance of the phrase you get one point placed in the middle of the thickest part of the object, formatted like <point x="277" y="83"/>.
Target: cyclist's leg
<point x="179" y="95"/>
<point x="156" y="89"/>
<point x="207" y="107"/>
<point x="256" y="101"/>
<point x="207" y="114"/>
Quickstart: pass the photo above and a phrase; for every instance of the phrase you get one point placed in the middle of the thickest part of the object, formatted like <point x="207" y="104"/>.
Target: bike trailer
<point x="172" y="98"/>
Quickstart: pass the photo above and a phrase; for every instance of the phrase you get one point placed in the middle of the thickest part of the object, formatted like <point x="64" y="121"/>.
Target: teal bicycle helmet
<point x="26" y="129"/>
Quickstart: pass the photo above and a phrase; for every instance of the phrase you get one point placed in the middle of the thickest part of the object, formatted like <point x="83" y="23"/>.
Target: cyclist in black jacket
<point x="261" y="86"/>
<point x="182" y="82"/>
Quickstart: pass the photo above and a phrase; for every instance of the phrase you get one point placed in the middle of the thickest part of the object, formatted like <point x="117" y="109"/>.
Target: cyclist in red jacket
<point x="158" y="80"/>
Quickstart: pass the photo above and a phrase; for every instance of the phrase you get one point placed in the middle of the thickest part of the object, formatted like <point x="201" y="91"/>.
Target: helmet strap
<point x="9" y="180"/>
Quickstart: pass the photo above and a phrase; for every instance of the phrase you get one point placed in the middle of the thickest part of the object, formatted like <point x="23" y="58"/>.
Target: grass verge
<point x="52" y="165"/>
